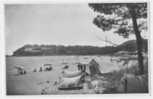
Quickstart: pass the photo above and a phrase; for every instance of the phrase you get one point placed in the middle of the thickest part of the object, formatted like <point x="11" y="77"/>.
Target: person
<point x="81" y="67"/>
<point x="20" y="70"/>
<point x="66" y="67"/>
<point x="40" y="69"/>
<point x="94" y="67"/>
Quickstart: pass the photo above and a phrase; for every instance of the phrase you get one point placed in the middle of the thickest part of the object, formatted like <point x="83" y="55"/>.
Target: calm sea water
<point x="32" y="83"/>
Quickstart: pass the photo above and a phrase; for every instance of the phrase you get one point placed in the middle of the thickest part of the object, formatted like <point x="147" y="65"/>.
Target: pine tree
<point x="124" y="19"/>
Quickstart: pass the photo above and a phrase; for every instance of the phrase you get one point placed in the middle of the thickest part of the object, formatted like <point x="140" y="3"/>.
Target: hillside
<point x="46" y="50"/>
<point x="131" y="45"/>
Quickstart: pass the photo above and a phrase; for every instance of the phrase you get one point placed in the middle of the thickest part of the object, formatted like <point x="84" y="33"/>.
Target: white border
<point x="2" y="50"/>
<point x="66" y="1"/>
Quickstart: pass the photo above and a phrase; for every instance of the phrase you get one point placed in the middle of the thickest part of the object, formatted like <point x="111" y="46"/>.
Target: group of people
<point x="21" y="70"/>
<point x="76" y="79"/>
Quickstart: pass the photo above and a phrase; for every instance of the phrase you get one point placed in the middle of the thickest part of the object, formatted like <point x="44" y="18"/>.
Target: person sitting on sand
<point x="20" y="70"/>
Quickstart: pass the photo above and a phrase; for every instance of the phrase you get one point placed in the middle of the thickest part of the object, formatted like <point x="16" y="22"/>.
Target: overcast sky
<point x="64" y="24"/>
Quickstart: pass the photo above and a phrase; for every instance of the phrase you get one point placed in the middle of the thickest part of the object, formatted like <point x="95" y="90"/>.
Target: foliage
<point x="117" y="16"/>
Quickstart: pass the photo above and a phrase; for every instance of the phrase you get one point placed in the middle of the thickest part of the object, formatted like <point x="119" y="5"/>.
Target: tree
<point x="124" y="19"/>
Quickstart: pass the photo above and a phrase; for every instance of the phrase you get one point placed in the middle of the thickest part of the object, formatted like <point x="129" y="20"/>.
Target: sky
<point x="59" y="24"/>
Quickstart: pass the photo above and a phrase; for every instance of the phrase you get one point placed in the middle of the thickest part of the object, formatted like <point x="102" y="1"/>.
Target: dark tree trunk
<point x="138" y="39"/>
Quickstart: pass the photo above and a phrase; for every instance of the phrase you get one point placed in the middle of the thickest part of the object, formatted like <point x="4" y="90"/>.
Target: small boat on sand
<point x="69" y="74"/>
<point x="71" y="82"/>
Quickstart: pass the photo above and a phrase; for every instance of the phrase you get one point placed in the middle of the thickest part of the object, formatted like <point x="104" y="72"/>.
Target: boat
<point x="71" y="83"/>
<point x="69" y="74"/>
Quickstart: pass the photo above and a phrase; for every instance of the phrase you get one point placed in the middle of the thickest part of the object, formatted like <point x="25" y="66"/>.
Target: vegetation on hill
<point x="46" y="50"/>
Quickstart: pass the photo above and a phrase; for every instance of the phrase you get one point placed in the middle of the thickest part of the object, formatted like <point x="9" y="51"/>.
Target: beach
<point x="34" y="82"/>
